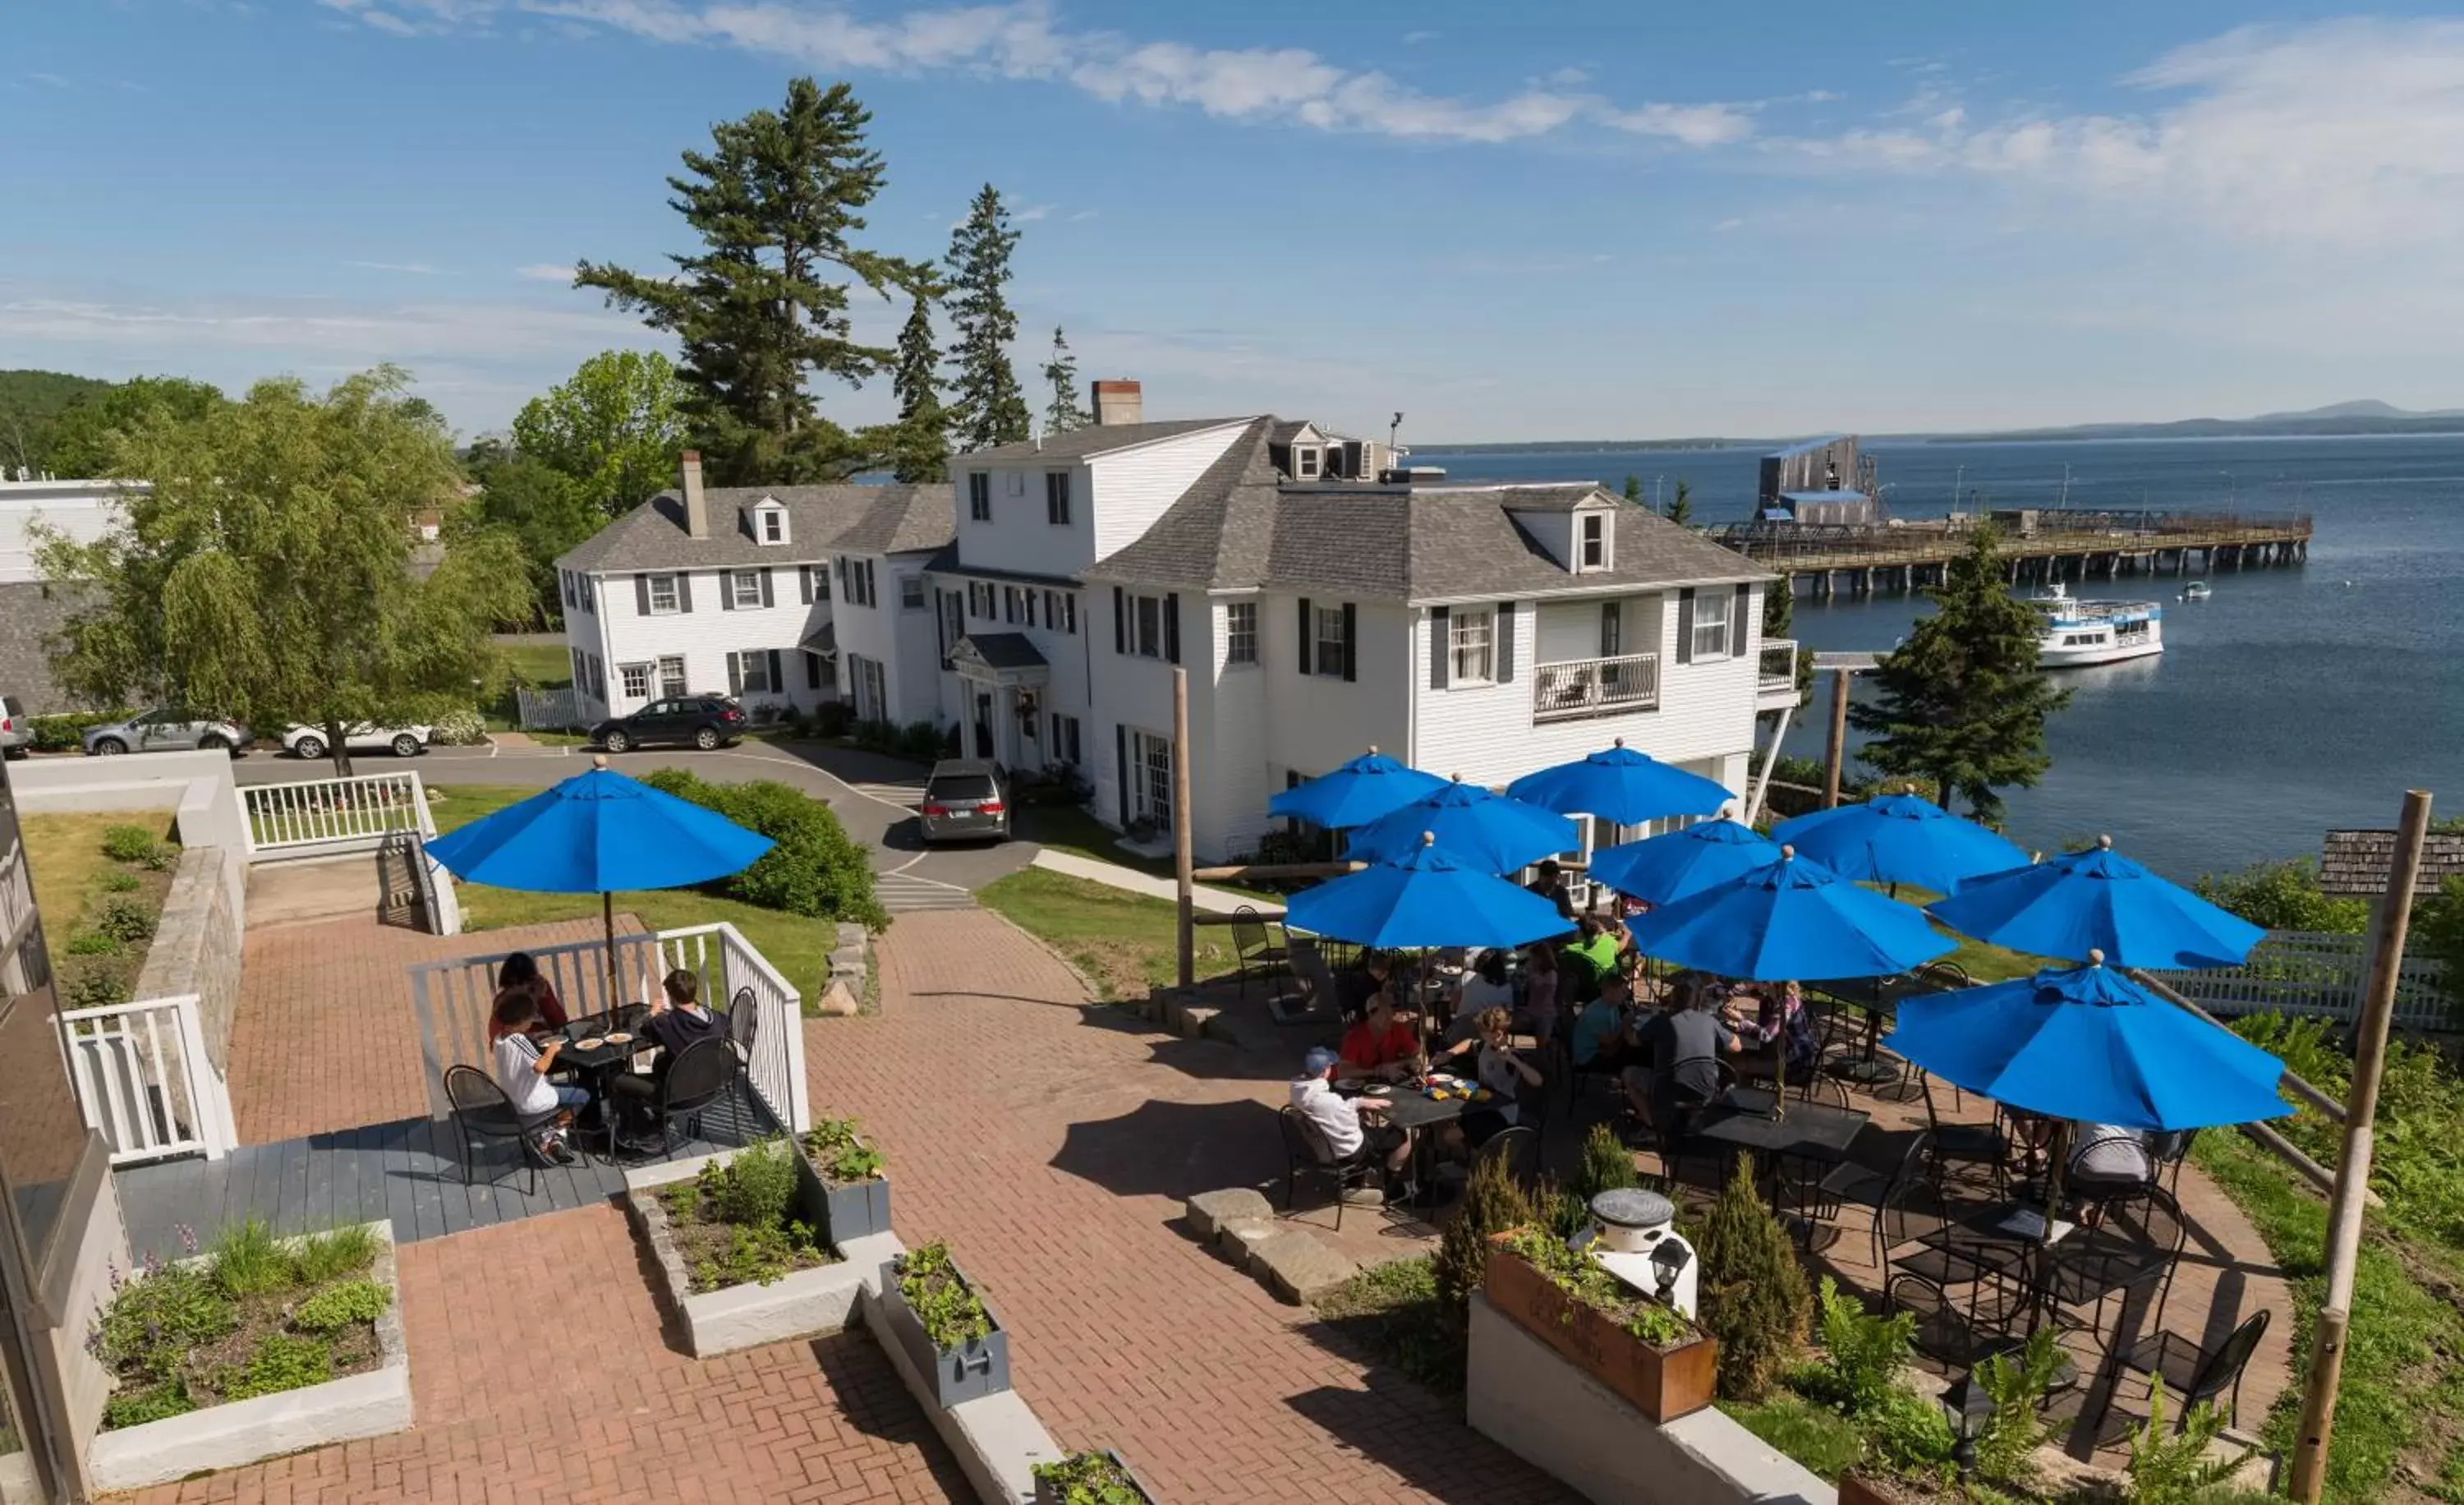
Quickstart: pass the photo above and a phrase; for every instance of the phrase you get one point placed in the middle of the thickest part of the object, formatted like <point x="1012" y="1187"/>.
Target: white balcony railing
<point x="144" y="1079"/>
<point x="1589" y="687"/>
<point x="730" y="967"/>
<point x="1777" y="676"/>
<point x="334" y="815"/>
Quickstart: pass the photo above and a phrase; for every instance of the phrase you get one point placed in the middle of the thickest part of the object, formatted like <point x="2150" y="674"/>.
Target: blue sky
<point x="1545" y="220"/>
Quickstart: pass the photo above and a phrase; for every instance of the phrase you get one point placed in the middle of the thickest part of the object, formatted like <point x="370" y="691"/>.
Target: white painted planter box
<point x="804" y="1303"/>
<point x="236" y="1432"/>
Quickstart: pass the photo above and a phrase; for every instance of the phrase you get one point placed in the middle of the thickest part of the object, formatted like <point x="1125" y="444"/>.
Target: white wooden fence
<point x="317" y="818"/>
<point x="2316" y="974"/>
<point x="145" y="1080"/>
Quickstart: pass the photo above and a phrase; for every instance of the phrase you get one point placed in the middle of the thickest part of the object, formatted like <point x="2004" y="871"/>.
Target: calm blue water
<point x="2296" y="699"/>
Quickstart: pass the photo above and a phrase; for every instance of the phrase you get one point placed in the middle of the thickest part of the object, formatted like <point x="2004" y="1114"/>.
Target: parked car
<point x="403" y="741"/>
<point x="168" y="730"/>
<point x="16" y="733"/>
<point x="963" y="801"/>
<point x="699" y="720"/>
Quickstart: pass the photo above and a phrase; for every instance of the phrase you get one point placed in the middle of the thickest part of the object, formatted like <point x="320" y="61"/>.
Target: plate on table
<point x="591" y="1044"/>
<point x="1378" y="1090"/>
<point x="619" y="1039"/>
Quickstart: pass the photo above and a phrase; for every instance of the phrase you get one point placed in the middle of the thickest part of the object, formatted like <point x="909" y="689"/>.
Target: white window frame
<point x="672" y="677"/>
<point x="1016" y="482"/>
<point x="1711" y="626"/>
<point x="635" y="681"/>
<point x="672" y="604"/>
<point x="773" y="525"/>
<point x="753" y="664"/>
<point x="1471" y="646"/>
<point x="1067" y="746"/>
<point x="1308" y="461"/>
<point x="1240" y="633"/>
<point x="1591" y="541"/>
<point x="1150" y="773"/>
<point x="744" y="587"/>
<point x="1330" y="650"/>
<point x="911" y="594"/>
<point x="980" y="496"/>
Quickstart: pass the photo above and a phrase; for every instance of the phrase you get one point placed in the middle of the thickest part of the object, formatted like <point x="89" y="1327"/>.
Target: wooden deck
<point x="407" y="1172"/>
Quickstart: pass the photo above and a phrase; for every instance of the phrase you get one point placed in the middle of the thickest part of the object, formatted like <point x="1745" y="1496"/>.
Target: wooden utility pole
<point x="1835" y="747"/>
<point x="1183" y="863"/>
<point x="2344" y="1207"/>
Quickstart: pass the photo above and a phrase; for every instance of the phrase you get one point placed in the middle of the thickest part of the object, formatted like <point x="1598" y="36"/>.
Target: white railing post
<point x="210" y="1099"/>
<point x="152" y="1092"/>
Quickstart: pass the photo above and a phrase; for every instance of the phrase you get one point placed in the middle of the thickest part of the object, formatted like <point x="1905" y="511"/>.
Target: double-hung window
<point x="1471" y="641"/>
<point x="636" y="680"/>
<point x="773" y="526"/>
<point x="1056" y="498"/>
<point x="1241" y="632"/>
<point x="1595" y="540"/>
<point x="744" y="587"/>
<point x="663" y="594"/>
<point x="1329" y="661"/>
<point x="980" y="496"/>
<point x="753" y="671"/>
<point x="911" y="592"/>
<point x="1147" y="635"/>
<point x="672" y="677"/>
<point x="1710" y="626"/>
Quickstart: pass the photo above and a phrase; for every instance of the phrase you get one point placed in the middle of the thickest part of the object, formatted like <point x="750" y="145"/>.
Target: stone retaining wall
<point x="197" y="943"/>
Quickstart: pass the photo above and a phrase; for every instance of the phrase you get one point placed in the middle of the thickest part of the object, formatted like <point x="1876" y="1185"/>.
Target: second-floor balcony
<point x="1775" y="680"/>
<point x="1587" y="687"/>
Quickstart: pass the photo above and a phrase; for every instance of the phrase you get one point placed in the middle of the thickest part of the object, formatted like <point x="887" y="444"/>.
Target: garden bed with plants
<point x="740" y="1245"/>
<point x="951" y="1338"/>
<point x="257" y="1347"/>
<point x="1089" y="1478"/>
<point x="1627" y="1339"/>
<point x="856" y="1187"/>
<point x="101" y="882"/>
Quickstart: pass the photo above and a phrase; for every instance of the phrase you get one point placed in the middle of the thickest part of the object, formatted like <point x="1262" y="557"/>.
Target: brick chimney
<point x="697" y="500"/>
<point x="1119" y="403"/>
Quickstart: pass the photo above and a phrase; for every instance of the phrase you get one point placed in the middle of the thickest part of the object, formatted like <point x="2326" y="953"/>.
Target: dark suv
<point x="700" y="721"/>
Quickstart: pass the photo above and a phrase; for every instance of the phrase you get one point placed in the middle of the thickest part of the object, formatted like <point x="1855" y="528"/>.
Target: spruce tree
<point x="1634" y="488"/>
<point x="1491" y="1203"/>
<point x="1961" y="700"/>
<point x="919" y="442"/>
<point x="986" y="406"/>
<point x="1681" y="511"/>
<point x="762" y="308"/>
<point x="1064" y="411"/>
<point x="1754" y="1298"/>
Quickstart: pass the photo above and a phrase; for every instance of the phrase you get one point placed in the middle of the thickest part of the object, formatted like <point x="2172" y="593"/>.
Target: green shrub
<point x="124" y="920"/>
<point x="1491" y="1203"/>
<point x="1393" y="1309"/>
<point x="246" y="1261"/>
<point x="2174" y="1468"/>
<point x="127" y="843"/>
<point x="1089" y="1478"/>
<point x="92" y="943"/>
<point x="755" y="1189"/>
<point x="122" y="882"/>
<point x="342" y="1251"/>
<point x="838" y="1155"/>
<point x="921" y="740"/>
<point x="459" y="727"/>
<point x="1908" y="1431"/>
<point x="338" y="1307"/>
<point x="2285" y="896"/>
<point x="163" y="858"/>
<point x="153" y="1403"/>
<point x="2018" y="1382"/>
<point x="1607" y="1165"/>
<point x="97" y="991"/>
<point x="280" y="1362"/>
<point x="1815" y="1436"/>
<point x="1560" y="1212"/>
<point x="2439" y="932"/>
<point x="833" y="718"/>
<point x="1754" y="1298"/>
<point x="1863" y="1355"/>
<point x="152" y="1323"/>
<point x="953" y="1315"/>
<point x="754" y="1255"/>
<point x="814" y="869"/>
<point x="66" y="732"/>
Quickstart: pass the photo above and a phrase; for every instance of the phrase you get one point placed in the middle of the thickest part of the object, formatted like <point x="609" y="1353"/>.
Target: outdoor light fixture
<point x="1969" y="1409"/>
<point x="1668" y="1260"/>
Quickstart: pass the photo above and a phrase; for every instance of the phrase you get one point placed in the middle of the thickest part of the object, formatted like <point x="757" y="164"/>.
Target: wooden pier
<point x="2039" y="546"/>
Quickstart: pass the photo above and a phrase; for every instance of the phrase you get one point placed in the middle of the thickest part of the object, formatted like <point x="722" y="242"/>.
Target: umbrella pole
<point x="615" y="973"/>
<point x="2055" y="1167"/>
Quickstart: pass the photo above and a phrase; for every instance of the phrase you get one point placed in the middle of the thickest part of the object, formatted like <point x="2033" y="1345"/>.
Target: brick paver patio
<point x="540" y="1377"/>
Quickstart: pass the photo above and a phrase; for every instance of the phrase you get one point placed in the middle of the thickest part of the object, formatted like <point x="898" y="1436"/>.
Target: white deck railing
<point x="1777" y="673"/>
<point x="2315" y="974"/>
<point x="144" y="1079"/>
<point x="729" y="966"/>
<point x="17" y="892"/>
<point x="323" y="816"/>
<point x="1587" y="687"/>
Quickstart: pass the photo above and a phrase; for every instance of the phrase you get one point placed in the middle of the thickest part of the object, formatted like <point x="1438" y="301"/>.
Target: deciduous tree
<point x="614" y="429"/>
<point x="80" y="441"/>
<point x="264" y="571"/>
<point x="986" y="406"/>
<point x="1961" y="700"/>
<point x="1064" y="411"/>
<point x="762" y="308"/>
<point x="546" y="511"/>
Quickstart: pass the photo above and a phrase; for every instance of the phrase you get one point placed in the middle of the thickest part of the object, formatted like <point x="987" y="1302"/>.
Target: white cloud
<point x="358" y="335"/>
<point x="1031" y="213"/>
<point x="415" y="17"/>
<point x="405" y="268"/>
<point x="546" y="272"/>
<point x="1084" y="214"/>
<point x="1729" y="224"/>
<point x="51" y="81"/>
<point x="1694" y="125"/>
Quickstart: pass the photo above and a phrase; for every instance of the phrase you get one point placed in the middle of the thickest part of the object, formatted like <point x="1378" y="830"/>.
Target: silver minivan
<point x="963" y="802"/>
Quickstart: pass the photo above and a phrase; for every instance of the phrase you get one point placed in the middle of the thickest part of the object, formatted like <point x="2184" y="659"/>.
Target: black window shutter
<point x="1121" y="753"/>
<point x="684" y="590"/>
<point x="778" y="676"/>
<point x="768" y="599"/>
<point x="1612" y="631"/>
<point x="727" y="591"/>
<point x="1685" y="626"/>
<point x="1441" y="648"/>
<point x="641" y="595"/>
<point x="840" y="563"/>
<point x="735" y="675"/>
<point x="812" y="670"/>
<point x="1308" y="626"/>
<point x="1172" y="627"/>
<point x="804" y="584"/>
<point x="1120" y="621"/>
<point x="1737" y="621"/>
<point x="1350" y="642"/>
<point x="1505" y="642"/>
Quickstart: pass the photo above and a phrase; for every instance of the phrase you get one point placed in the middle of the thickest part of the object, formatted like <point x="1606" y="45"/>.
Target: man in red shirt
<point x="1379" y="1045"/>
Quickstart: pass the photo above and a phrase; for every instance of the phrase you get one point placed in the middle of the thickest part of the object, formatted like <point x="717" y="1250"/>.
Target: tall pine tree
<point x="919" y="441"/>
<point x="1961" y="700"/>
<point x="763" y="306"/>
<point x="985" y="403"/>
<point x="1680" y="508"/>
<point x="1063" y="412"/>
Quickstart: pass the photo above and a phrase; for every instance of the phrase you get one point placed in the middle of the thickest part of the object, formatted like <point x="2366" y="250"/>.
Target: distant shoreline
<point x="2103" y="434"/>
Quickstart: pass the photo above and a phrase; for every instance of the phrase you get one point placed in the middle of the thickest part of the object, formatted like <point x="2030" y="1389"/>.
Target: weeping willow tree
<point x="263" y="570"/>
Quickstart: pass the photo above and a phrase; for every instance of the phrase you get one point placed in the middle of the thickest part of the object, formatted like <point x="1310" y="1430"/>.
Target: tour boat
<point x="2080" y="632"/>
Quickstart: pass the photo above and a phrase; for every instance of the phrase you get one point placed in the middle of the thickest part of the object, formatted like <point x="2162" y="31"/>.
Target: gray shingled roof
<point x="1238" y="528"/>
<point x="2357" y="863"/>
<point x="1079" y="443"/>
<point x="1005" y="649"/>
<point x="821" y="521"/>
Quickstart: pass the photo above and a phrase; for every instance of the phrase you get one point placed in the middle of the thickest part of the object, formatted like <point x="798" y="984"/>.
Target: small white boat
<point x="2080" y="632"/>
<point x="2195" y="590"/>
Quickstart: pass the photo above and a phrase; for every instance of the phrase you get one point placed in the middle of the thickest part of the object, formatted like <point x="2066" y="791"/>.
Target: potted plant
<point x="737" y="1240"/>
<point x="945" y="1327"/>
<point x="854" y="1186"/>
<point x="1089" y="1478"/>
<point x="1623" y="1338"/>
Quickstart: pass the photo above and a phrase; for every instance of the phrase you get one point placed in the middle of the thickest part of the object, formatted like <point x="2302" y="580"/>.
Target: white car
<point x="403" y="741"/>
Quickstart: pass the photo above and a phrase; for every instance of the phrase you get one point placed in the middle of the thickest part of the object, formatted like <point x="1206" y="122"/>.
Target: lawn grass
<point x="1124" y="942"/>
<point x="799" y="948"/>
<point x="1067" y="828"/>
<point x="543" y="666"/>
<point x="1816" y="1436"/>
<point x="64" y="854"/>
<point x="1395" y="1312"/>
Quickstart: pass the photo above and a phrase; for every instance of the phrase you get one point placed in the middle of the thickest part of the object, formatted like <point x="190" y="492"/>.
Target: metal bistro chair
<point x="1518" y="1145"/>
<point x="2138" y="1247"/>
<point x="481" y="1111"/>
<point x="743" y="1023"/>
<point x="2212" y="1371"/>
<point x="1254" y="950"/>
<point x="1305" y="1152"/>
<point x="694" y="1080"/>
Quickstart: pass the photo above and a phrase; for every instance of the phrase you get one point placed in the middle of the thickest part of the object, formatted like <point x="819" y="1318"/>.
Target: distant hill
<point x="29" y="402"/>
<point x="2364" y="416"/>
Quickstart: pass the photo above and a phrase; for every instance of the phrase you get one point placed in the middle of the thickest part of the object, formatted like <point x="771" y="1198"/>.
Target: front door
<point x="984" y="725"/>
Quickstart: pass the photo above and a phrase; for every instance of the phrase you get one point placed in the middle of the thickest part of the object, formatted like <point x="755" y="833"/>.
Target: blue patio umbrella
<point x="1790" y="918"/>
<point x="1476" y="827"/>
<point x="596" y="833"/>
<point x="2087" y="1043"/>
<point x="1622" y="786"/>
<point x="1900" y="838"/>
<point x="1680" y="864"/>
<point x="1423" y="897"/>
<point x="2097" y="900"/>
<point x="1355" y="794"/>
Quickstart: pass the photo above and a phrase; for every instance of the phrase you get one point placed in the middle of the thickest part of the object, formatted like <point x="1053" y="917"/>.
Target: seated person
<point x="2109" y="1156"/>
<point x="1592" y="958"/>
<point x="1348" y="1129"/>
<point x="1540" y="988"/>
<point x="1684" y="1047"/>
<point x="1379" y="1045"/>
<point x="519" y="970"/>
<point x="678" y="1021"/>
<point x="1358" y="983"/>
<point x="523" y="1066"/>
<point x="1779" y="1015"/>
<point x="1604" y="1039"/>
<point x="1501" y="1070"/>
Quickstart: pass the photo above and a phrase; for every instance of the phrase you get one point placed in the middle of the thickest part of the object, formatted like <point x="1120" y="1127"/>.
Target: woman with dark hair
<point x="520" y="973"/>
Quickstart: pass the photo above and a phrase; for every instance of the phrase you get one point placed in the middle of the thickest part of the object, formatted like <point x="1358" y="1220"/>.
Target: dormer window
<point x="773" y="527"/>
<point x="1591" y="533"/>
<point x="1305" y="461"/>
<point x="767" y="522"/>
